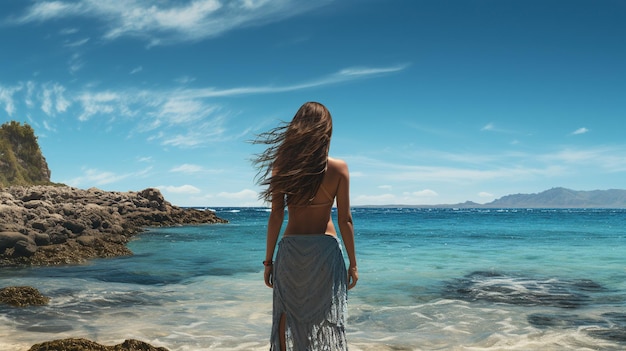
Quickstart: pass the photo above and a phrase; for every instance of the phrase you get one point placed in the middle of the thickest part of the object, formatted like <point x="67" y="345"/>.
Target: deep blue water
<point x="439" y="279"/>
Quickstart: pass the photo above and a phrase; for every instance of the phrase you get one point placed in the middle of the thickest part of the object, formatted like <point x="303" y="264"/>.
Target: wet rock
<point x="518" y="290"/>
<point x="42" y="239"/>
<point x="24" y="248"/>
<point x="8" y="239"/>
<point x="546" y="320"/>
<point x="613" y="334"/>
<point x="616" y="330"/>
<point x="20" y="296"/>
<point x="72" y="344"/>
<point x="609" y="326"/>
<point x="47" y="225"/>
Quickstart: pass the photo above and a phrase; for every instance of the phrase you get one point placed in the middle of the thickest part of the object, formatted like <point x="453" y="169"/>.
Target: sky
<point x="433" y="101"/>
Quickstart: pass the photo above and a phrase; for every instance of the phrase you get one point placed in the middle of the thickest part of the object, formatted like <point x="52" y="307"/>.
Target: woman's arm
<point x="344" y="219"/>
<point x="274" y="224"/>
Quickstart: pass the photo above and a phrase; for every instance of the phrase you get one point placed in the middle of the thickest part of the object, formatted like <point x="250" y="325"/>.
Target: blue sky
<point x="433" y="101"/>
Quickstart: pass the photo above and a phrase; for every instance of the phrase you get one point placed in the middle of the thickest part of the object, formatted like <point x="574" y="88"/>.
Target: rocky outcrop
<point x="49" y="225"/>
<point x="20" y="296"/>
<point x="72" y="344"/>
<point x="21" y="160"/>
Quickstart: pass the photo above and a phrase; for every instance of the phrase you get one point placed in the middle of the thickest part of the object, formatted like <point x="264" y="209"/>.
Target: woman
<point x="309" y="277"/>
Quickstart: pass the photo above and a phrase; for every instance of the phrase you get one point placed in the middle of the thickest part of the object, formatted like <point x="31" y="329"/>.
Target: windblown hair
<point x="294" y="163"/>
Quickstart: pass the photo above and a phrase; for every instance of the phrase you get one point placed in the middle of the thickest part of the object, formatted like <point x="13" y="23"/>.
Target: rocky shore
<point x="78" y="344"/>
<point x="51" y="225"/>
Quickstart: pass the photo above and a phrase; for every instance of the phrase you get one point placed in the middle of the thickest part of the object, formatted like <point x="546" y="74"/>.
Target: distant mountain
<point x="563" y="198"/>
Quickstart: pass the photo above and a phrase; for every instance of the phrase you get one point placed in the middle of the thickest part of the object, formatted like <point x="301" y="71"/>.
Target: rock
<point x="20" y="296"/>
<point x="496" y="287"/>
<point x="24" y="248"/>
<point x="86" y="240"/>
<point x="74" y="226"/>
<point x="9" y="239"/>
<point x="41" y="239"/>
<point x="608" y="326"/>
<point x="132" y="345"/>
<point x="37" y="204"/>
<point x="33" y="195"/>
<point x="39" y="225"/>
<point x="72" y="344"/>
<point x="51" y="221"/>
<point x="156" y="200"/>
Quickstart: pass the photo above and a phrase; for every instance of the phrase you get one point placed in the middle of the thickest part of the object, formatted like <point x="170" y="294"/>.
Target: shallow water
<point x="429" y="280"/>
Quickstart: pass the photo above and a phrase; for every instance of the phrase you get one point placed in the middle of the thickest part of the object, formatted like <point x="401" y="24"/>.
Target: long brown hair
<point x="295" y="161"/>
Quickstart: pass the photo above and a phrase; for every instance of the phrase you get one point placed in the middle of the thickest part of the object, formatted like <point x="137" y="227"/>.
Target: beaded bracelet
<point x="268" y="263"/>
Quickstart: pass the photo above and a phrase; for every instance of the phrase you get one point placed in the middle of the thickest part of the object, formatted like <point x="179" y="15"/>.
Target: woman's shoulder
<point x="337" y="164"/>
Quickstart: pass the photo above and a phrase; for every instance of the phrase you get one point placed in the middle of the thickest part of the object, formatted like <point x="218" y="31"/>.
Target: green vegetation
<point x="21" y="160"/>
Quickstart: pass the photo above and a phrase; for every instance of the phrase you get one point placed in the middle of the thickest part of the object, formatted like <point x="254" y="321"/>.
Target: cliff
<point x="21" y="160"/>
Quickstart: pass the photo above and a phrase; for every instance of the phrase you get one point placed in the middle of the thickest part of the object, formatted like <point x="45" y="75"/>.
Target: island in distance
<point x="553" y="198"/>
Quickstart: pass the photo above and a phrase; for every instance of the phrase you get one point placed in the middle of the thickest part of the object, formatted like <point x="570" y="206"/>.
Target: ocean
<point x="430" y="279"/>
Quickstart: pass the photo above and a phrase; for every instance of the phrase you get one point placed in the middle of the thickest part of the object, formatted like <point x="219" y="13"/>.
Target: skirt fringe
<point x="310" y="289"/>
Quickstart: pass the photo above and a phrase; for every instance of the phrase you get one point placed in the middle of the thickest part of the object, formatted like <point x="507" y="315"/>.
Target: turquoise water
<point x="429" y="280"/>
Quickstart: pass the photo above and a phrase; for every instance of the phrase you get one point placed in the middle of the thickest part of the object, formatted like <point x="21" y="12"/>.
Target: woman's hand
<point x="269" y="276"/>
<point x="353" y="277"/>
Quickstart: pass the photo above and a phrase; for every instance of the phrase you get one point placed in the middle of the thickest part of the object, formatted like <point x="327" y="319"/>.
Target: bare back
<point x="315" y="218"/>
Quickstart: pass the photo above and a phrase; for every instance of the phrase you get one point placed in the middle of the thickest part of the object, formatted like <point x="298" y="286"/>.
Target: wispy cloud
<point x="460" y="174"/>
<point x="609" y="158"/>
<point x="6" y="98"/>
<point x="579" y="131"/>
<point x="376" y="199"/>
<point x="177" y="110"/>
<point x="183" y="189"/>
<point x="136" y="70"/>
<point x="441" y="132"/>
<point x="192" y="169"/>
<point x="188" y="169"/>
<point x="423" y="193"/>
<point x="245" y="194"/>
<point x="68" y="31"/>
<point x="491" y="127"/>
<point x="488" y="127"/>
<point x="184" y="80"/>
<point x="97" y="177"/>
<point x="53" y="99"/>
<point x="464" y="175"/>
<point x="210" y="131"/>
<point x="162" y="23"/>
<point x="497" y="166"/>
<point x="48" y="127"/>
<point x="344" y="75"/>
<point x="75" y="63"/>
<point x="48" y="10"/>
<point x="185" y="118"/>
<point x="181" y="106"/>
<point x="147" y="159"/>
<point x="104" y="102"/>
<point x="369" y="71"/>
<point x="77" y="43"/>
